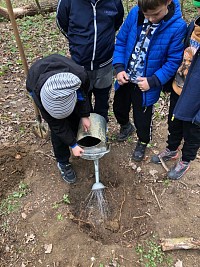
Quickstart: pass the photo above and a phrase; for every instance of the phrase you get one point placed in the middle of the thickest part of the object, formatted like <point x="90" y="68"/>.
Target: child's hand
<point x="77" y="151"/>
<point x="86" y="123"/>
<point x="122" y="78"/>
<point x="143" y="84"/>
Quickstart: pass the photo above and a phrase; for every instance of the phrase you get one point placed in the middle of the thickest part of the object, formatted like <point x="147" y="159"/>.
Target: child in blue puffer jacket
<point x="148" y="52"/>
<point x="184" y="111"/>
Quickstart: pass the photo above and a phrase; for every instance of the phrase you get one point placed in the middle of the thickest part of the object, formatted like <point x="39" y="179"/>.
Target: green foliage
<point x="111" y="113"/>
<point x="112" y="137"/>
<point x="151" y="255"/>
<point x="59" y="217"/>
<point x="11" y="203"/>
<point x="166" y="182"/>
<point x="40" y="37"/>
<point x="66" y="199"/>
<point x="130" y="140"/>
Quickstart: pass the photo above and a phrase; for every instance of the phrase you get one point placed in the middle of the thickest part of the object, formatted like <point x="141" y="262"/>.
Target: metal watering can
<point x="94" y="144"/>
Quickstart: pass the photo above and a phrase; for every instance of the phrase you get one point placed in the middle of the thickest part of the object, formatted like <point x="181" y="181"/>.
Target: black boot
<point x="139" y="152"/>
<point x="125" y="131"/>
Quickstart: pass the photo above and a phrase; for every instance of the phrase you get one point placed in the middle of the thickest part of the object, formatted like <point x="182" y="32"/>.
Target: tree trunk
<point x="31" y="10"/>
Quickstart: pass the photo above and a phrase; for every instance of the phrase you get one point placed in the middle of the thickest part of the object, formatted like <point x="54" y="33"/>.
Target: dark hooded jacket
<point x="90" y="26"/>
<point x="43" y="69"/>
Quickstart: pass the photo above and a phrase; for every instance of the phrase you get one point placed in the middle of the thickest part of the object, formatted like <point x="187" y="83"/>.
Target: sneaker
<point x="125" y="131"/>
<point x="139" y="152"/>
<point x="67" y="173"/>
<point x="178" y="170"/>
<point x="165" y="155"/>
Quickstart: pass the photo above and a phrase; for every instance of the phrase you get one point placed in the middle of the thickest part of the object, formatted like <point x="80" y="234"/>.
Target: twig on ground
<point x="47" y="155"/>
<point x="112" y="195"/>
<point x="139" y="217"/>
<point x="127" y="231"/>
<point x="183" y="184"/>
<point x="82" y="221"/>
<point x="163" y="164"/>
<point x="154" y="194"/>
<point x="124" y="199"/>
<point x="148" y="214"/>
<point x="163" y="192"/>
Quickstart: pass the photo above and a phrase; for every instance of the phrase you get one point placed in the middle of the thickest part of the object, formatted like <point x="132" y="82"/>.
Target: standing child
<point x="90" y="26"/>
<point x="59" y="88"/>
<point x="147" y="54"/>
<point x="184" y="111"/>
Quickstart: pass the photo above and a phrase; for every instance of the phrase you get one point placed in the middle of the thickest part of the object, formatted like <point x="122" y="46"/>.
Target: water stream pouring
<point x="94" y="144"/>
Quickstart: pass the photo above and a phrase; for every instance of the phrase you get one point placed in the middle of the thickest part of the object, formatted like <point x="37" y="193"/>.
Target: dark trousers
<point x="126" y="96"/>
<point x="101" y="104"/>
<point x="179" y="130"/>
<point x="61" y="150"/>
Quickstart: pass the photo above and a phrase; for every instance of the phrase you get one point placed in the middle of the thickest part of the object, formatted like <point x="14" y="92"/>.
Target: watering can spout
<point x="98" y="186"/>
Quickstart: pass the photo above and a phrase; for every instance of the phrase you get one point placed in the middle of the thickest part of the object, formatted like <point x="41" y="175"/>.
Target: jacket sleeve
<point x="83" y="106"/>
<point x="62" y="16"/>
<point x="121" y="41"/>
<point x="61" y="128"/>
<point x="197" y="118"/>
<point x="120" y="15"/>
<point x="174" y="56"/>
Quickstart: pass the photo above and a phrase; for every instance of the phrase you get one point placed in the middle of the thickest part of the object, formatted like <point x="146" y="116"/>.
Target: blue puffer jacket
<point x="90" y="27"/>
<point x="164" y="53"/>
<point x="188" y="105"/>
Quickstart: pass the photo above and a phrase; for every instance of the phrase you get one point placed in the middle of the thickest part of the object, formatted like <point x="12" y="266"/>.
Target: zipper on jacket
<point x="95" y="32"/>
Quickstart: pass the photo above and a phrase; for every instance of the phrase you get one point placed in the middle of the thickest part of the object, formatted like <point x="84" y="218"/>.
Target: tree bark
<point x="31" y="10"/>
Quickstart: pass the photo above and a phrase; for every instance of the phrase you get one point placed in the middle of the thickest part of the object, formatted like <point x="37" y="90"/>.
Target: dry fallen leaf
<point x="48" y="248"/>
<point x="153" y="172"/>
<point x="23" y="215"/>
<point x="179" y="264"/>
<point x="30" y="238"/>
<point x="18" y="156"/>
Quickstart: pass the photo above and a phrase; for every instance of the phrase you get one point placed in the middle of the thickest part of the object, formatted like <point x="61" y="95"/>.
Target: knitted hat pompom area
<point x="196" y="3"/>
<point x="58" y="94"/>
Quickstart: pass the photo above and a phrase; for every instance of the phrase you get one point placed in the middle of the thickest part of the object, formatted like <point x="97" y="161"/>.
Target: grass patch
<point x="151" y="255"/>
<point x="11" y="203"/>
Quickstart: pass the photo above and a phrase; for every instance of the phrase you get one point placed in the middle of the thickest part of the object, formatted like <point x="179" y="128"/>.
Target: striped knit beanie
<point x="58" y="94"/>
<point x="196" y="3"/>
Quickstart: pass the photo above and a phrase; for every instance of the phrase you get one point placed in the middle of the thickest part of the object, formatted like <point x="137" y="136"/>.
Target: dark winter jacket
<point x="39" y="72"/>
<point x="164" y="52"/>
<point x="188" y="105"/>
<point x="90" y="26"/>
